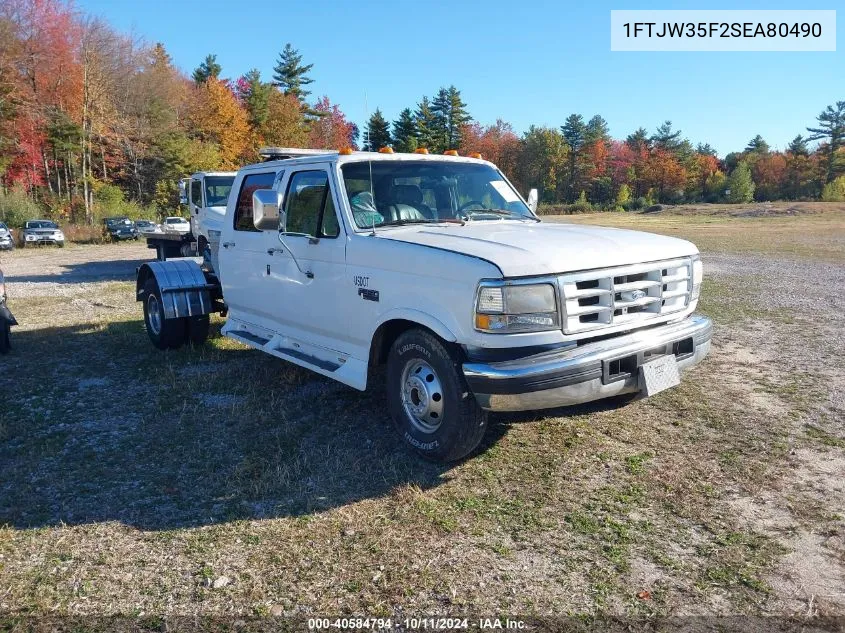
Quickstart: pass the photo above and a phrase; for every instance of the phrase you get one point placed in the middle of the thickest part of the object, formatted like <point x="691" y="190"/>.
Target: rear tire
<point x="164" y="333"/>
<point x="431" y="405"/>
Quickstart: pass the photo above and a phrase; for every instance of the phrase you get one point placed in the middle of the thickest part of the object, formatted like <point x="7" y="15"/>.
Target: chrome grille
<point x="628" y="294"/>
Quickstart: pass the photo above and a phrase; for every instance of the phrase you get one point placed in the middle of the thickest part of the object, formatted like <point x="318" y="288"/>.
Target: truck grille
<point x="628" y="294"/>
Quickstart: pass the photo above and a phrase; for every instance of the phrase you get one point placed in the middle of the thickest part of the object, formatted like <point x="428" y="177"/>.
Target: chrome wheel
<point x="154" y="314"/>
<point x="422" y="395"/>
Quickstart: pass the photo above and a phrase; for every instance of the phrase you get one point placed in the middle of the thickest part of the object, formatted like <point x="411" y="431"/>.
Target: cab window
<point x="243" y="209"/>
<point x="196" y="192"/>
<point x="309" y="205"/>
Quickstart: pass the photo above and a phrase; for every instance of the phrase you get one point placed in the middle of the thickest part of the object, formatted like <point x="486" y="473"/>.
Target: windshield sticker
<point x="504" y="190"/>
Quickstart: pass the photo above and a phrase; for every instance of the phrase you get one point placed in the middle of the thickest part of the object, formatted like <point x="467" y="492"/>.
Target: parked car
<point x="176" y="224"/>
<point x="119" y="229"/>
<point x="7" y="240"/>
<point x="146" y="226"/>
<point x="42" y="232"/>
<point x="436" y="267"/>
<point x="6" y="318"/>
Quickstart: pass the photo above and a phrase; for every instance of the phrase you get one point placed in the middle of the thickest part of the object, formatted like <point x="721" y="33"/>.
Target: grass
<point x="132" y="480"/>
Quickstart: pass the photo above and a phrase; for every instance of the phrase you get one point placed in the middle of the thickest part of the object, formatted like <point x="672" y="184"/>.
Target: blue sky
<point x="526" y="62"/>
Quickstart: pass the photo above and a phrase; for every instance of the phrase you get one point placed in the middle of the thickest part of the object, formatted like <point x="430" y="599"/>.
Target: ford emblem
<point x="632" y="295"/>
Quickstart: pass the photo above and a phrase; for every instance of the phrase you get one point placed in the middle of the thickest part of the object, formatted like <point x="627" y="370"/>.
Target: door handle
<point x="271" y="251"/>
<point x="228" y="244"/>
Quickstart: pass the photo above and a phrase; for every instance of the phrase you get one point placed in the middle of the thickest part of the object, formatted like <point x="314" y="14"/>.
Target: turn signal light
<point x="482" y="321"/>
<point x="421" y="150"/>
<point x="450" y="152"/>
<point x="386" y="150"/>
<point x="346" y="151"/>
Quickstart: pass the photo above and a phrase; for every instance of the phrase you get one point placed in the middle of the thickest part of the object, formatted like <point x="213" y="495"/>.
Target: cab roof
<point x="333" y="157"/>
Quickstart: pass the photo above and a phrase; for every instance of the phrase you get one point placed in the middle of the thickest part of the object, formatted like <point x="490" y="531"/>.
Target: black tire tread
<point x="472" y="420"/>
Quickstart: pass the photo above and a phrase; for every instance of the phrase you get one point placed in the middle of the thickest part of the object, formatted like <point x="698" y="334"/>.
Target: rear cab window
<point x="243" y="207"/>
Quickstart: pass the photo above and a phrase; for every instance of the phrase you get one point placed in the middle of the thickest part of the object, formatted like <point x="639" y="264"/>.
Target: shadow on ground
<point x="103" y="427"/>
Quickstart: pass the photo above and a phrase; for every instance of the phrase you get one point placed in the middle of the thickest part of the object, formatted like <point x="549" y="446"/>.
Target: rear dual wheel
<point x="170" y="333"/>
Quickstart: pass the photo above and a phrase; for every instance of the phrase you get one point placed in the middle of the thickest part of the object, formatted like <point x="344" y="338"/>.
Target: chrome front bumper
<point x="592" y="371"/>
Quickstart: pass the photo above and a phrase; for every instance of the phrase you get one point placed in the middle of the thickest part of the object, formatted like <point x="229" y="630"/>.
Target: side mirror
<point x="533" y="197"/>
<point x="183" y="192"/>
<point x="265" y="210"/>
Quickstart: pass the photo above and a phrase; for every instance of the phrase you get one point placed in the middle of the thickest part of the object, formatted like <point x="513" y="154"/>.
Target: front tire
<point x="164" y="333"/>
<point x="429" y="400"/>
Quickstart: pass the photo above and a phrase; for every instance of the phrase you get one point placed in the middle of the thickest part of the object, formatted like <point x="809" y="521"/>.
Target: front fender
<point x="417" y="316"/>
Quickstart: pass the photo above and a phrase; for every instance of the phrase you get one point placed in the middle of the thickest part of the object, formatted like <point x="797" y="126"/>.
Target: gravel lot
<point x="51" y="271"/>
<point x="219" y="481"/>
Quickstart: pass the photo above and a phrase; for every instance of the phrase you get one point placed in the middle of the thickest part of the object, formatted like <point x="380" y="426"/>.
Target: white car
<point x="42" y="232"/>
<point x="176" y="225"/>
<point x="438" y="268"/>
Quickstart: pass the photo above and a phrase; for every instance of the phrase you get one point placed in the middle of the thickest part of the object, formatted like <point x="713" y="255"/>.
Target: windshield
<point x="405" y="192"/>
<point x="118" y="221"/>
<point x="3" y="226"/>
<point x="41" y="224"/>
<point x="176" y="221"/>
<point x="217" y="190"/>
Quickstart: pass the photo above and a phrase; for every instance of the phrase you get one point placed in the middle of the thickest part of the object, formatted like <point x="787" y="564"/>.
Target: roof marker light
<point x="421" y="150"/>
<point x="386" y="150"/>
<point x="346" y="151"/>
<point x="450" y="152"/>
<point x="476" y="155"/>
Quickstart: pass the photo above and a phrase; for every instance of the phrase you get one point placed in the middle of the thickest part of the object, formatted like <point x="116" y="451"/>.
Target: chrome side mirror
<point x="533" y="198"/>
<point x="183" y="192"/>
<point x="265" y="210"/>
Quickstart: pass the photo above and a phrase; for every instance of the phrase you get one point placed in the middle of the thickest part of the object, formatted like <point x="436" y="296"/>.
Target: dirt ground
<point x="220" y="482"/>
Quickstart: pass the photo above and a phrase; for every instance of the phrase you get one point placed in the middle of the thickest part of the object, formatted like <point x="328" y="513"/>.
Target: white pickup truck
<point x="438" y="268"/>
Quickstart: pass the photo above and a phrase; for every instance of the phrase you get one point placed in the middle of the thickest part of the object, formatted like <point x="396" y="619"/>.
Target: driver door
<point x="308" y="272"/>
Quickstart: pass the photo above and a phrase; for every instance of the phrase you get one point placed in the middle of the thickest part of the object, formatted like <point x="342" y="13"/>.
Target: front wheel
<point x="164" y="333"/>
<point x="429" y="400"/>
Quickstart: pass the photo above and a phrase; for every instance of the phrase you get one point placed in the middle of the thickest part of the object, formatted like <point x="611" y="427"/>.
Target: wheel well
<point x="387" y="333"/>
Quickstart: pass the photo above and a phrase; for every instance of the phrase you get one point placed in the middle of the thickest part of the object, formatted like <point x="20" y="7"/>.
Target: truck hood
<point x="519" y="249"/>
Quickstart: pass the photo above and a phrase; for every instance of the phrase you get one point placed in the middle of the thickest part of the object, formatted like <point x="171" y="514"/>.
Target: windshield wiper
<point x="421" y="221"/>
<point x="500" y="212"/>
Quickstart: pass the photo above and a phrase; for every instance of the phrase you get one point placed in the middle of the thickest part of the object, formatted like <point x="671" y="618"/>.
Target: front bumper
<point x="592" y="371"/>
<point x="43" y="239"/>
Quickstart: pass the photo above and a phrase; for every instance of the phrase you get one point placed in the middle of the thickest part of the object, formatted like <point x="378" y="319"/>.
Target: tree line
<point x="94" y="122"/>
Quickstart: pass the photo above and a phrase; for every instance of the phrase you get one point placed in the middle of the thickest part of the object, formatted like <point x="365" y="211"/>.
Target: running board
<point x="280" y="347"/>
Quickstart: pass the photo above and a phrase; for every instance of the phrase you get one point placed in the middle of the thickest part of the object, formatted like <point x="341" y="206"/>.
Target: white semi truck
<point x="206" y="195"/>
<point x="438" y="268"/>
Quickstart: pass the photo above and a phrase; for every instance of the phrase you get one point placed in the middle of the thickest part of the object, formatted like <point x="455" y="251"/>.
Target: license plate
<point x="658" y="375"/>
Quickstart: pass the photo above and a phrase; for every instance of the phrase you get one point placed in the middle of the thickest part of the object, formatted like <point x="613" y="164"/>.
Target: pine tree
<point x="757" y="146"/>
<point x="574" y="133"/>
<point x="208" y="69"/>
<point x="705" y="149"/>
<point x="255" y="95"/>
<point x="740" y="185"/>
<point x="405" y="132"/>
<point x="638" y="140"/>
<point x="440" y="121"/>
<point x="290" y="75"/>
<point x="798" y="146"/>
<point x="450" y="116"/>
<point x="596" y="130"/>
<point x="831" y="128"/>
<point x="425" y="120"/>
<point x="664" y="138"/>
<point x="378" y="132"/>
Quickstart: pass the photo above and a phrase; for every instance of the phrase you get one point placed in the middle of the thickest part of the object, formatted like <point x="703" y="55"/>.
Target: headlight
<point x="503" y="308"/>
<point x="697" y="276"/>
